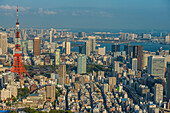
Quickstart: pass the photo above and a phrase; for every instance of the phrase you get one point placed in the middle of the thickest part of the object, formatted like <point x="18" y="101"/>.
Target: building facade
<point x="3" y="42"/>
<point x="37" y="46"/>
<point x="115" y="48"/>
<point x="138" y="53"/>
<point x="158" y="93"/>
<point x="81" y="64"/>
<point x="92" y="43"/>
<point x="156" y="66"/>
<point x="68" y="48"/>
<point x="50" y="92"/>
<point x="62" y="74"/>
<point x="57" y="57"/>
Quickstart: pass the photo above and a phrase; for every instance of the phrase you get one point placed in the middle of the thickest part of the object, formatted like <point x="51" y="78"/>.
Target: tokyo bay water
<point x="153" y="47"/>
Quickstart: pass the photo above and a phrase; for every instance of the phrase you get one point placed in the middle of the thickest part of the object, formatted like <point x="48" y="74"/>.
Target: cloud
<point x="50" y="12"/>
<point x="74" y="14"/>
<point x="105" y="14"/>
<point x="47" y="12"/>
<point x="8" y="7"/>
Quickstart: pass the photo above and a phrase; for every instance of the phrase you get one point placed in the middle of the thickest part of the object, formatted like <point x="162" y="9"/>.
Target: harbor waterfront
<point x="149" y="46"/>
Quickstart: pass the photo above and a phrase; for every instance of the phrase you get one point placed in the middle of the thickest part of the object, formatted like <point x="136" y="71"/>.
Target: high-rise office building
<point x="30" y="45"/>
<point x="158" y="93"/>
<point x="92" y="43"/>
<point x="36" y="46"/>
<point x="81" y="34"/>
<point x="145" y="60"/>
<point x="50" y="92"/>
<point x="156" y="66"/>
<point x="167" y="39"/>
<point x="129" y="49"/>
<point x="62" y="74"/>
<point x="101" y="50"/>
<point x="3" y="42"/>
<point x="24" y="45"/>
<point x="133" y="62"/>
<point x="112" y="81"/>
<point x="168" y="80"/>
<point x="51" y="36"/>
<point x="57" y="57"/>
<point x="23" y="34"/>
<point x="138" y="53"/>
<point x="87" y="48"/>
<point x="81" y="64"/>
<point x="68" y="47"/>
<point x="105" y="88"/>
<point x="123" y="36"/>
<point x="82" y="49"/>
<point x="115" y="47"/>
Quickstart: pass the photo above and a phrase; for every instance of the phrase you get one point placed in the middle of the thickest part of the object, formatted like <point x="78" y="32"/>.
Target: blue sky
<point x="96" y="14"/>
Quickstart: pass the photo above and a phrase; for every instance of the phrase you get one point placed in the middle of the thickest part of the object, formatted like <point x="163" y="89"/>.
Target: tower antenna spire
<point x="18" y="66"/>
<point x="17" y="13"/>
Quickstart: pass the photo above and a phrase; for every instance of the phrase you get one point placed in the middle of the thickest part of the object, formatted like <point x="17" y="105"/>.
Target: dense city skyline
<point x="131" y="14"/>
<point x="54" y="66"/>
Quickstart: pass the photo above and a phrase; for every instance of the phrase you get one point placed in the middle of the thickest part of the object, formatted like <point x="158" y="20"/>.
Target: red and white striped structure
<point x="18" y="66"/>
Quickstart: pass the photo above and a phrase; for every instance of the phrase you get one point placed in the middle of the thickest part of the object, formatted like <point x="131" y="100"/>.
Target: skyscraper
<point x="24" y="45"/>
<point x="101" y="50"/>
<point x="115" y="47"/>
<point x="30" y="45"/>
<point x="123" y="36"/>
<point x="51" y="36"/>
<point x="156" y="66"/>
<point x="133" y="62"/>
<point x="23" y="34"/>
<point x="3" y="42"/>
<point x="81" y="64"/>
<point x="87" y="48"/>
<point x="158" y="93"/>
<point x="138" y="53"/>
<point x="62" y="74"/>
<point x="112" y="81"/>
<point x="167" y="39"/>
<point x="145" y="60"/>
<point x="129" y="49"/>
<point x="68" y="47"/>
<point x="50" y="92"/>
<point x="82" y="49"/>
<point x="92" y="43"/>
<point x="36" y="46"/>
<point x="57" y="57"/>
<point x="168" y="81"/>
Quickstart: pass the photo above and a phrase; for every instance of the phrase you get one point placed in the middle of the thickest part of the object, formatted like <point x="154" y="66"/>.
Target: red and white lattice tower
<point x="18" y="66"/>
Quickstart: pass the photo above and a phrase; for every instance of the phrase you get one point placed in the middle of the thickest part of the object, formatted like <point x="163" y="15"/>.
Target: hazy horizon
<point x="89" y="14"/>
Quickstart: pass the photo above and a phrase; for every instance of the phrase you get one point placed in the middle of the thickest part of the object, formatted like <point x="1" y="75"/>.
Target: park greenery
<point x="23" y="92"/>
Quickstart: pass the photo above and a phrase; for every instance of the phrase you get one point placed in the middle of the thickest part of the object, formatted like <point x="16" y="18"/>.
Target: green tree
<point x="42" y="112"/>
<point x="30" y="110"/>
<point x="53" y="111"/>
<point x="13" y="111"/>
<point x="68" y="111"/>
<point x="60" y="111"/>
<point x="23" y="92"/>
<point x="8" y="103"/>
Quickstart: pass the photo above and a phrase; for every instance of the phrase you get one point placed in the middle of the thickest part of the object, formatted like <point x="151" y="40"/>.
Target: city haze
<point x="87" y="14"/>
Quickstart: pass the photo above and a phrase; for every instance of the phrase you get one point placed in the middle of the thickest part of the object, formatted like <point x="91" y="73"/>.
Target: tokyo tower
<point x="18" y="66"/>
